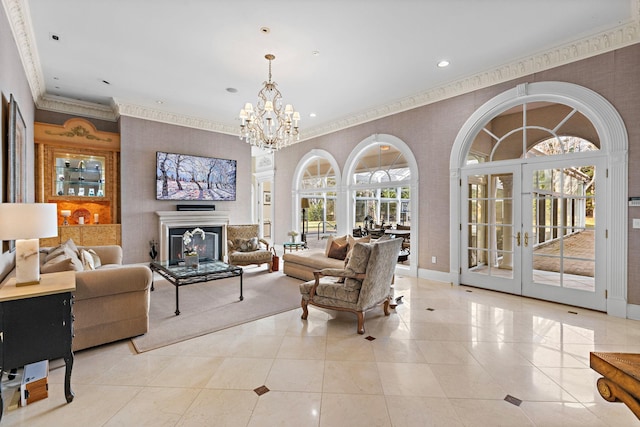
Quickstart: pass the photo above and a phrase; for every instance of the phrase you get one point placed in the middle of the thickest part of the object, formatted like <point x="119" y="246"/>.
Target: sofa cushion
<point x="315" y="259"/>
<point x="254" y="257"/>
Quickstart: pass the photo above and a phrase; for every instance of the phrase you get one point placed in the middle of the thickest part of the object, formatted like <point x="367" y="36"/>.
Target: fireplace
<point x="207" y="248"/>
<point x="173" y="224"/>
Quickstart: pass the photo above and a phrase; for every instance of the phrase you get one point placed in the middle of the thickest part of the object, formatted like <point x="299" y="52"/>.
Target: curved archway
<point x="316" y="178"/>
<point x="612" y="137"/>
<point x="350" y="184"/>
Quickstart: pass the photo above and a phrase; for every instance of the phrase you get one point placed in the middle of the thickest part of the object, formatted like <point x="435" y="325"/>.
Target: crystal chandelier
<point x="271" y="125"/>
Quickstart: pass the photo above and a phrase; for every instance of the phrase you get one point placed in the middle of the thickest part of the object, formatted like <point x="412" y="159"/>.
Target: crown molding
<point x="19" y="17"/>
<point x="18" y="14"/>
<point x="616" y="38"/>
<point x="141" y="112"/>
<point x="76" y="107"/>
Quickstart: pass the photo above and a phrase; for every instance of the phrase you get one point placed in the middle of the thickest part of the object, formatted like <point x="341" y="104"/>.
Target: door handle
<point x="518" y="239"/>
<point x="526" y="238"/>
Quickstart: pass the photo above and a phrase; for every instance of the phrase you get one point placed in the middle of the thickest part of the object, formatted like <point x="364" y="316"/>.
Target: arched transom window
<point x="381" y="185"/>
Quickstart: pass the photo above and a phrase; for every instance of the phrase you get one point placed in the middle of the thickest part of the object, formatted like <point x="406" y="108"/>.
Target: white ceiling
<point x="376" y="57"/>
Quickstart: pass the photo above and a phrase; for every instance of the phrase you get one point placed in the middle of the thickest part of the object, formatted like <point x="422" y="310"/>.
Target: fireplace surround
<point x="189" y="220"/>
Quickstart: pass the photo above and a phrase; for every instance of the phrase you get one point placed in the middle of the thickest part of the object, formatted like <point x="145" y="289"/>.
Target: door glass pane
<point x="490" y="224"/>
<point x="563" y="223"/>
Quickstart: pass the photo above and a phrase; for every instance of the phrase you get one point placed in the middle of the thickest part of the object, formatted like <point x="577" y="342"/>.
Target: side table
<point x="291" y="246"/>
<point x="36" y="324"/>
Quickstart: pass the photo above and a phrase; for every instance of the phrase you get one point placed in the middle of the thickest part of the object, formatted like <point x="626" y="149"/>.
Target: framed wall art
<point x="16" y="185"/>
<point x="17" y="155"/>
<point x="266" y="198"/>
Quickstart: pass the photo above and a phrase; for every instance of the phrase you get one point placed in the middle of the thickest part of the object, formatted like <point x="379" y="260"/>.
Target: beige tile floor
<point x="447" y="356"/>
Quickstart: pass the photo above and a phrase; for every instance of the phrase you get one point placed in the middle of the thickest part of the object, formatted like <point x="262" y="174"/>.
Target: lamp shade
<point x="28" y="220"/>
<point x="305" y="203"/>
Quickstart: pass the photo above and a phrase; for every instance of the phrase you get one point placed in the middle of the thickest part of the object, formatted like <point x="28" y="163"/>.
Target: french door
<point x="531" y="229"/>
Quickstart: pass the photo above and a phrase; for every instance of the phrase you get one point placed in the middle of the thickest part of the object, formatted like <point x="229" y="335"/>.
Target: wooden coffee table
<point x="207" y="270"/>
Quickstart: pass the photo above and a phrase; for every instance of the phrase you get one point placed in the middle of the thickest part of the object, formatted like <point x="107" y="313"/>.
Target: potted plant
<point x="292" y="234"/>
<point x="190" y="252"/>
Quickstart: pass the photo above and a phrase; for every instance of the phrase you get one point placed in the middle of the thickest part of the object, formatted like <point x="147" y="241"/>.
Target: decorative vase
<point x="293" y="239"/>
<point x="191" y="261"/>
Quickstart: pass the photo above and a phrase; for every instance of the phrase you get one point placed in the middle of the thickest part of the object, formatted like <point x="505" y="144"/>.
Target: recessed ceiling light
<point x="265" y="30"/>
<point x="231" y="90"/>
<point x="316" y="53"/>
<point x="106" y="82"/>
<point x="56" y="78"/>
<point x="312" y="115"/>
<point x="54" y="37"/>
<point x="443" y="63"/>
<point x="159" y="102"/>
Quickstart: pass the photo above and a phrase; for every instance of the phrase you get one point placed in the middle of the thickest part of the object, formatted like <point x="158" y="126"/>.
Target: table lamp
<point x="26" y="223"/>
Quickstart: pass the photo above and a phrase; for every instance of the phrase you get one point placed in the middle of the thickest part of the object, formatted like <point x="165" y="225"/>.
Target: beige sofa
<point x="302" y="264"/>
<point x="110" y="303"/>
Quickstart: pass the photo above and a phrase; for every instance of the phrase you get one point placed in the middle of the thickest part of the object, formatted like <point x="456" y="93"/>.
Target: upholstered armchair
<point x="364" y="283"/>
<point x="245" y="248"/>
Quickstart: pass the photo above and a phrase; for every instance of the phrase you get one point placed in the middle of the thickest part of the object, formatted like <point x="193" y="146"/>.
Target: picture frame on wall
<point x="266" y="198"/>
<point x="16" y="187"/>
<point x="17" y="155"/>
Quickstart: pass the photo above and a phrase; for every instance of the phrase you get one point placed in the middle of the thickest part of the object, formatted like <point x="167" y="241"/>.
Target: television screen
<point x="185" y="177"/>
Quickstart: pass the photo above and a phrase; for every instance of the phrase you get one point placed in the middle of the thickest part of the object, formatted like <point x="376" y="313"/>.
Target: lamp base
<point x="27" y="262"/>
<point x="34" y="282"/>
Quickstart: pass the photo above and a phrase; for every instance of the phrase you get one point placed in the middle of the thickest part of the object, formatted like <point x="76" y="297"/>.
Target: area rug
<point x="212" y="306"/>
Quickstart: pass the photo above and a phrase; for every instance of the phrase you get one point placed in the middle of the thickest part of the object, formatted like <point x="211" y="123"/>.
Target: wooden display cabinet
<point x="77" y="167"/>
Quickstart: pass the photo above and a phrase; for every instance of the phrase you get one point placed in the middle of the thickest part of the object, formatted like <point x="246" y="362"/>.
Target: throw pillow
<point x="62" y="250"/>
<point x="88" y="259"/>
<point x="246" y="245"/>
<point x="353" y="240"/>
<point x="340" y="240"/>
<point x="62" y="263"/>
<point x="337" y="250"/>
<point x="97" y="262"/>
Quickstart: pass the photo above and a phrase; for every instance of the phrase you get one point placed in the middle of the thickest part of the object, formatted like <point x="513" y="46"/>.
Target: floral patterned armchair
<point x="245" y="248"/>
<point x="364" y="283"/>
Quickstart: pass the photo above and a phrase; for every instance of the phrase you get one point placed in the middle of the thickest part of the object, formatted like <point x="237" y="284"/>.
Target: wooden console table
<point x="621" y="378"/>
<point x="36" y="324"/>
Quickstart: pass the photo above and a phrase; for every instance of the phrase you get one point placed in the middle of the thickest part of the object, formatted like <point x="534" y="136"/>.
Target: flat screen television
<point x="186" y="177"/>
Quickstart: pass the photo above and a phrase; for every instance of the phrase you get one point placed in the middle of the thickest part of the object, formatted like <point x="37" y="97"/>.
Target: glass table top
<point x="179" y="270"/>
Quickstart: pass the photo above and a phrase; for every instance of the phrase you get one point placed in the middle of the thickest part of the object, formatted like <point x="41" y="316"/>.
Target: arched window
<point x="531" y="130"/>
<point x="317" y="194"/>
<point x="381" y="188"/>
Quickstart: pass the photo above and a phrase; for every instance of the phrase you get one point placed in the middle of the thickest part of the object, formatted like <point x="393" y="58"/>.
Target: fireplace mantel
<point x="171" y="219"/>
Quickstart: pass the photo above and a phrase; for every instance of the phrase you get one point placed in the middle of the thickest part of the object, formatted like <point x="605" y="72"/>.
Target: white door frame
<point x="613" y="143"/>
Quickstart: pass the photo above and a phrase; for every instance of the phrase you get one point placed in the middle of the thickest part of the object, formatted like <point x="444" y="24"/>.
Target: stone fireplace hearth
<point x="189" y="220"/>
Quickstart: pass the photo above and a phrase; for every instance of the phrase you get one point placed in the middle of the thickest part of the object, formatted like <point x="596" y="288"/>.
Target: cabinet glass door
<point x="79" y="176"/>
